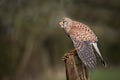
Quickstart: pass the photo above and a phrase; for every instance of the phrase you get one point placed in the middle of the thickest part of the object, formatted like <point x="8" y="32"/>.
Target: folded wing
<point x="86" y="54"/>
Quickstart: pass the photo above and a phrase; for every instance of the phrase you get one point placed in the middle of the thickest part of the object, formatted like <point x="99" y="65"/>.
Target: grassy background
<point x="112" y="73"/>
<point x="106" y="74"/>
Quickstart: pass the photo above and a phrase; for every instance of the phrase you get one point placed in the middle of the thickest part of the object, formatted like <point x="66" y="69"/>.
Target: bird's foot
<point x="69" y="53"/>
<point x="72" y="51"/>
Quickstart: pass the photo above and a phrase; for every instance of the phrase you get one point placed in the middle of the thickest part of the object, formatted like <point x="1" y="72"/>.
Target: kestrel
<point x="84" y="40"/>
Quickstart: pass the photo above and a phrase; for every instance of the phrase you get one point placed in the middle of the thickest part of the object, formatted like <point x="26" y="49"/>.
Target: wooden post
<point x="75" y="69"/>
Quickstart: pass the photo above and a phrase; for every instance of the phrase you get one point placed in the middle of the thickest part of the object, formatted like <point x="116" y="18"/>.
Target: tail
<point x="99" y="54"/>
<point x="104" y="63"/>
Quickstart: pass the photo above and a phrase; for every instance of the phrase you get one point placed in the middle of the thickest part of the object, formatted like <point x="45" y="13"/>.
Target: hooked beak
<point x="61" y="23"/>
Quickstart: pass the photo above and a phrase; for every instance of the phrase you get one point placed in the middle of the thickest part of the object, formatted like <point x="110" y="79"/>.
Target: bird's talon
<point x="69" y="53"/>
<point x="72" y="51"/>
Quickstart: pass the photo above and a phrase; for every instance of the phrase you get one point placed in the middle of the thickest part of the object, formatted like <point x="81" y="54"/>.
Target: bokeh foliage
<point x="31" y="41"/>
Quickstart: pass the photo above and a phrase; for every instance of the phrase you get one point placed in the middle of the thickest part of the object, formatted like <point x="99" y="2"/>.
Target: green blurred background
<point x="32" y="44"/>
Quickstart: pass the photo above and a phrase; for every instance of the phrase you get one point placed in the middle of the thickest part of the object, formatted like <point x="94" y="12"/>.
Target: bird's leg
<point x="70" y="52"/>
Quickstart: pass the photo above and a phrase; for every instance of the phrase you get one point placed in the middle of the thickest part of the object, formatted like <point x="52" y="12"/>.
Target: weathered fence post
<point x="75" y="69"/>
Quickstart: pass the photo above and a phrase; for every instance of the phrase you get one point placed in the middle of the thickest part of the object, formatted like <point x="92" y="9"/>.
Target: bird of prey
<point x="84" y="40"/>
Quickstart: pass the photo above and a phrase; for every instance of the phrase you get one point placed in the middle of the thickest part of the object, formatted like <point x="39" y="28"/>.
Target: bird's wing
<point x="85" y="53"/>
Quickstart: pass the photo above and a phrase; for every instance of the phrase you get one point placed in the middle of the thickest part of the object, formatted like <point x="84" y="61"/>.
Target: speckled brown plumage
<point x="83" y="39"/>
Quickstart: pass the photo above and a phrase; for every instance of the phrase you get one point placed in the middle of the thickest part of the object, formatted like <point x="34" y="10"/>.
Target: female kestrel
<point x="83" y="39"/>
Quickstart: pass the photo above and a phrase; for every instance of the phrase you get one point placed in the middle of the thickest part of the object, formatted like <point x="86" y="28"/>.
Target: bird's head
<point x="65" y="22"/>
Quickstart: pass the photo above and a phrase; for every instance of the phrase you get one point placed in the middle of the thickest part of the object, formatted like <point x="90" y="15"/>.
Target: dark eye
<point x="65" y="24"/>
